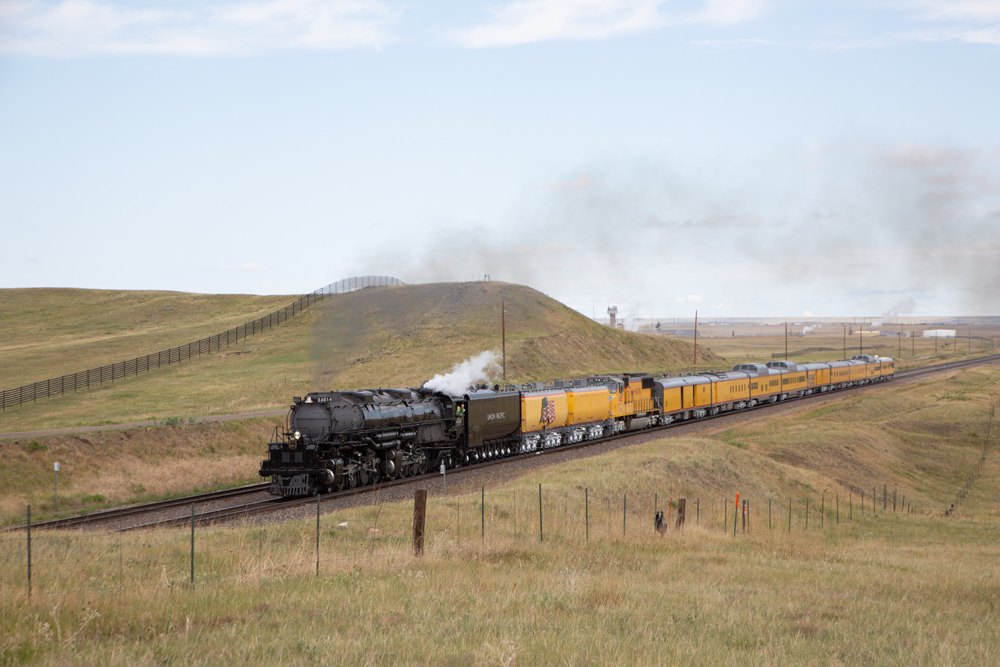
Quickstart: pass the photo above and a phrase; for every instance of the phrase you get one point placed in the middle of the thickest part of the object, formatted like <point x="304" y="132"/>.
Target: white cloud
<point x="527" y="21"/>
<point x="724" y="12"/>
<point x="733" y="42"/>
<point x="807" y="313"/>
<point x="86" y="27"/>
<point x="690" y="298"/>
<point x="959" y="10"/>
<point x="988" y="36"/>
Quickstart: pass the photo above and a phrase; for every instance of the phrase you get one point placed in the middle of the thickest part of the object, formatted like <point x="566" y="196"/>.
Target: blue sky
<point x="741" y="157"/>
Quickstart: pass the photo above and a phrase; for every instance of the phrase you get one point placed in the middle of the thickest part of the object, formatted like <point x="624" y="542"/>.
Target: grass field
<point x="887" y="588"/>
<point x="398" y="336"/>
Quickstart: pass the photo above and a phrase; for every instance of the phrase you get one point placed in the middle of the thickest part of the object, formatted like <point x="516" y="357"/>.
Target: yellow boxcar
<point x="703" y="394"/>
<point x="672" y="399"/>
<point x="543" y="410"/>
<point x="588" y="404"/>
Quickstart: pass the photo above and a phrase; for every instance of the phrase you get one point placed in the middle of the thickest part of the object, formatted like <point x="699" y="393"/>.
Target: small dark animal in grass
<point x="660" y="523"/>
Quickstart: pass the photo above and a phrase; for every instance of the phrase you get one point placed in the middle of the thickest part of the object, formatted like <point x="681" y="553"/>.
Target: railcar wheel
<point x="351" y="479"/>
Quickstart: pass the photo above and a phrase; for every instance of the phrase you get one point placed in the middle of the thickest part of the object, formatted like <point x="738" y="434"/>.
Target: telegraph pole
<point x="696" y="338"/>
<point x="503" y="333"/>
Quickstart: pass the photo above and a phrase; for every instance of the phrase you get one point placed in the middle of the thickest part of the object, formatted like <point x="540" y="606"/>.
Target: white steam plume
<point x="904" y="307"/>
<point x="470" y="371"/>
<point x="806" y="330"/>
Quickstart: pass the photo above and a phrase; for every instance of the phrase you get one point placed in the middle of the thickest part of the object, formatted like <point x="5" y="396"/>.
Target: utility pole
<point x="696" y="338"/>
<point x="786" y="341"/>
<point x="845" y="341"/>
<point x="503" y="334"/>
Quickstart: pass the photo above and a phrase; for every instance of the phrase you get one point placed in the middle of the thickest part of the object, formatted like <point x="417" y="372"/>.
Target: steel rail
<point x="102" y="516"/>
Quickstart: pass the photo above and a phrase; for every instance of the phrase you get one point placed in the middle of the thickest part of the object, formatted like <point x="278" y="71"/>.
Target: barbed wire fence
<point x="34" y="561"/>
<point x="132" y="367"/>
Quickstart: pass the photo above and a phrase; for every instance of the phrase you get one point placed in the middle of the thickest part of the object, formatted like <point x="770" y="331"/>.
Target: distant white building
<point x="939" y="333"/>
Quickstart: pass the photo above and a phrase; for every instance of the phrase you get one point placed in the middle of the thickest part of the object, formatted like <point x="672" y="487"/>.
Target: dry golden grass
<point x="886" y="589"/>
<point x="106" y="468"/>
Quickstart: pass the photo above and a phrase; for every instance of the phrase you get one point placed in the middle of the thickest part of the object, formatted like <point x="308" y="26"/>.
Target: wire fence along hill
<point x="55" y="562"/>
<point x="122" y="369"/>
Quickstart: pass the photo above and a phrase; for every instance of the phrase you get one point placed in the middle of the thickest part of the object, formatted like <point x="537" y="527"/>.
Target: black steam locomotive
<point x="341" y="440"/>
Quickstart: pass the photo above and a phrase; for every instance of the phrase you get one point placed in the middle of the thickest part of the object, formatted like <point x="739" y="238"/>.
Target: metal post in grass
<point x="725" y="504"/>
<point x="822" y="512"/>
<point x="838" y="509"/>
<point x="317" y="533"/>
<point x="541" y="535"/>
<point x="586" y="511"/>
<point x="894" y="499"/>
<point x="789" y="515"/>
<point x="697" y="511"/>
<point x="624" y="512"/>
<point x="192" y="544"/>
<point x="863" y="502"/>
<point x="807" y="514"/>
<point x="482" y="514"/>
<point x="885" y="497"/>
<point x="851" y="506"/>
<point x="769" y="514"/>
<point x="902" y="503"/>
<point x="29" y="552"/>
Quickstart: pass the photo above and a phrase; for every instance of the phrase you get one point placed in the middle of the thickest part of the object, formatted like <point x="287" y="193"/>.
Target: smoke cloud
<point x="474" y="369"/>
<point x="807" y="329"/>
<point x="815" y="226"/>
<point x="904" y="307"/>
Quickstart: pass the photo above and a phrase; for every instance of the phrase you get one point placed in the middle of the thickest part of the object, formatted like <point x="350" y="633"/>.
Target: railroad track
<point x="275" y="504"/>
<point x="103" y="516"/>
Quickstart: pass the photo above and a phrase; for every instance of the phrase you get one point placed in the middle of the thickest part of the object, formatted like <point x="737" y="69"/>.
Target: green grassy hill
<point x="410" y="333"/>
<point x="52" y="332"/>
<point x="390" y="336"/>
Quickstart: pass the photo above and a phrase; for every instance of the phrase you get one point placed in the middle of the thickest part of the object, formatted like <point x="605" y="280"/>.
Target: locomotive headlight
<point x="298" y="435"/>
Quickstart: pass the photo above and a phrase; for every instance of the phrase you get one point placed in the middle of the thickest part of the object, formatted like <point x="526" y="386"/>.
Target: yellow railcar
<point x="543" y="410"/>
<point x="588" y="404"/>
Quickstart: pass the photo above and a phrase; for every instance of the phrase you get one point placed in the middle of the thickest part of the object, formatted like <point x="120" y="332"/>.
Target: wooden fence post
<point x="419" y="520"/>
<point x="681" y="511"/>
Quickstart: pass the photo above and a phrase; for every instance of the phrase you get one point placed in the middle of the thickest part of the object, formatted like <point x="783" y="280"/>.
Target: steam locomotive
<point x="340" y="440"/>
